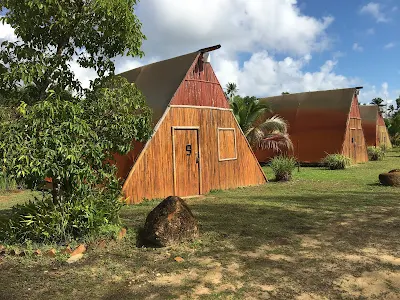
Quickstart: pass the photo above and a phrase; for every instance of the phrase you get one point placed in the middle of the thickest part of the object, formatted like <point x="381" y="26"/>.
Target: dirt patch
<point x="370" y="284"/>
<point x="279" y="257"/>
<point x="310" y="296"/>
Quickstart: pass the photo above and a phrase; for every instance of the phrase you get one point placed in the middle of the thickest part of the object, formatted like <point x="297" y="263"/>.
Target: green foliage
<point x="231" y="90"/>
<point x="376" y="153"/>
<point x="92" y="32"/>
<point x="77" y="217"/>
<point x="260" y="131"/>
<point x="7" y="183"/>
<point x="283" y="166"/>
<point x="336" y="161"/>
<point x="393" y="125"/>
<point x="248" y="110"/>
<point x="71" y="141"/>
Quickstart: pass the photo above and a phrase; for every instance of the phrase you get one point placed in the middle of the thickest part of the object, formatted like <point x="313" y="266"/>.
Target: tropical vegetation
<point x="261" y="132"/>
<point x="375" y="153"/>
<point x="283" y="166"/>
<point x="336" y="161"/>
<point x="56" y="129"/>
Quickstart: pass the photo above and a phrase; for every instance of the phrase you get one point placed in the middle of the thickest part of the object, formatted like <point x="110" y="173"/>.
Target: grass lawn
<point x="325" y="235"/>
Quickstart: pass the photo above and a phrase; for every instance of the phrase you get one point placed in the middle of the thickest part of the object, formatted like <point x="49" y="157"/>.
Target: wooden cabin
<point x="321" y="123"/>
<point x="197" y="145"/>
<point x="373" y="124"/>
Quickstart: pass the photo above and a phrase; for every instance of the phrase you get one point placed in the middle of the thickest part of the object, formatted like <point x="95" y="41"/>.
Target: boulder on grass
<point x="169" y="223"/>
<point x="390" y="179"/>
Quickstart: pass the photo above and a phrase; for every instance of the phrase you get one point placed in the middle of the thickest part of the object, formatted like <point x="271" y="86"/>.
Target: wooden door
<point x="186" y="161"/>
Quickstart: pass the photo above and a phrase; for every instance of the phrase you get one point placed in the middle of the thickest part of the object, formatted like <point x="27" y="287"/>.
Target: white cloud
<point x="259" y="29"/>
<point x="239" y="25"/>
<point x="262" y="75"/>
<point x="357" y="47"/>
<point x="7" y="33"/>
<point x="375" y="10"/>
<point x="389" y="45"/>
<point x="370" y="92"/>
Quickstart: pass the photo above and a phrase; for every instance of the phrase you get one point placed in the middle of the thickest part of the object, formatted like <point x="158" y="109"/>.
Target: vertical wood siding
<point x="200" y="88"/>
<point x="152" y="174"/>
<point x="227" y="143"/>
<point x="354" y="145"/>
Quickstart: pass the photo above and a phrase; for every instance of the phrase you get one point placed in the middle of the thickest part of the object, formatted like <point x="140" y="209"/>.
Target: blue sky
<point x="270" y="46"/>
<point x="372" y="62"/>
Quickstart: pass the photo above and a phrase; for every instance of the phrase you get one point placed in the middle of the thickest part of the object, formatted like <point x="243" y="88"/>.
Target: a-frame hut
<point x="197" y="145"/>
<point x="374" y="127"/>
<point x="321" y="123"/>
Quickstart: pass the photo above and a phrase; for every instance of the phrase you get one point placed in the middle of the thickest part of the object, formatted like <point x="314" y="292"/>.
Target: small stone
<point x="52" y="252"/>
<point x="74" y="258"/>
<point x="179" y="259"/>
<point x="121" y="234"/>
<point x="37" y="252"/>
<point x="81" y="249"/>
<point x="158" y="274"/>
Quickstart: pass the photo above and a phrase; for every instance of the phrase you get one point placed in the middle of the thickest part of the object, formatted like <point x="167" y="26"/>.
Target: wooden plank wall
<point x="152" y="175"/>
<point x="357" y="150"/>
<point x="200" y="88"/>
<point x="227" y="143"/>
<point x="383" y="137"/>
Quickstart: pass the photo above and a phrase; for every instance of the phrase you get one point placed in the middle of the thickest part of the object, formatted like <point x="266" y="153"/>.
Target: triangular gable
<point x="160" y="81"/>
<point x="200" y="80"/>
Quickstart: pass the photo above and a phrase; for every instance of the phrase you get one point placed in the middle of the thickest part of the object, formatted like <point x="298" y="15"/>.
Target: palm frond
<point x="254" y="136"/>
<point x="275" y="124"/>
<point x="277" y="142"/>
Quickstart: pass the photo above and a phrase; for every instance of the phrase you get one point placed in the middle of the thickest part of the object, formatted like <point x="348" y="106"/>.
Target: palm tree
<point x="231" y="90"/>
<point x="391" y="109"/>
<point x="377" y="101"/>
<point x="261" y="132"/>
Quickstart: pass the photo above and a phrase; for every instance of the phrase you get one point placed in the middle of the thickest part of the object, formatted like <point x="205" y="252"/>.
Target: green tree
<point x="60" y="131"/>
<point x="261" y="132"/>
<point x="71" y="141"/>
<point x="398" y="103"/>
<point x="391" y="110"/>
<point x="377" y="101"/>
<point x="53" y="33"/>
<point x="231" y="90"/>
<point x="285" y="93"/>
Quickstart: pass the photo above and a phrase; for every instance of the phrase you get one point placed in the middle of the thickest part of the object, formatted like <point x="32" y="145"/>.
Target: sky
<point x="272" y="46"/>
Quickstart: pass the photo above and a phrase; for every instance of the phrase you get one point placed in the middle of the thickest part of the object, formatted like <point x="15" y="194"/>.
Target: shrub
<point x="375" y="153"/>
<point x="336" y="161"/>
<point x="283" y="166"/>
<point x="76" y="218"/>
<point x="7" y="183"/>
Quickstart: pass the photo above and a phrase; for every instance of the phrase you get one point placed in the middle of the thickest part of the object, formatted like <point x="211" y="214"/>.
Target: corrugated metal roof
<point x="317" y="120"/>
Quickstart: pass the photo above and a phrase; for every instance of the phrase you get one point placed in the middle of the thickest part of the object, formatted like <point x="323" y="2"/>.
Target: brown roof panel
<point x="317" y="120"/>
<point x="369" y="121"/>
<point x="369" y="113"/>
<point x="159" y="81"/>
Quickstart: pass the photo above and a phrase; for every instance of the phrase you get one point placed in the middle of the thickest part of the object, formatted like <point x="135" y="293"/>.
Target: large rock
<point x="391" y="179"/>
<point x="169" y="223"/>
